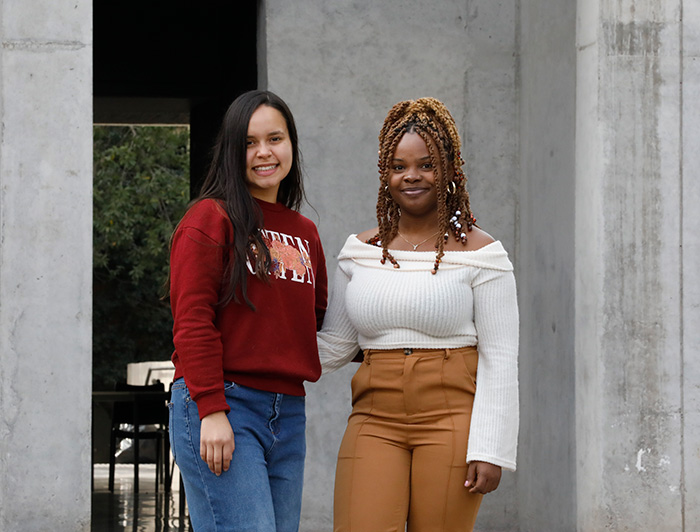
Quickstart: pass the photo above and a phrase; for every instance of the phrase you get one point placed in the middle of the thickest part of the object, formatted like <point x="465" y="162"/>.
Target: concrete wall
<point x="689" y="298"/>
<point x="341" y="66"/>
<point x="45" y="264"/>
<point x="636" y="295"/>
<point x="547" y="74"/>
<point x="610" y="433"/>
<point x="580" y="126"/>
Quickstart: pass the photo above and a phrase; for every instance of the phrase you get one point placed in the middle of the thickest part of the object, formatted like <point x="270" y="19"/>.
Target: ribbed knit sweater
<point x="471" y="301"/>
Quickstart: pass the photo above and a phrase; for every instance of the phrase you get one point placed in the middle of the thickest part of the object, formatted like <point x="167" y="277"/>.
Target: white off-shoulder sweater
<point x="471" y="301"/>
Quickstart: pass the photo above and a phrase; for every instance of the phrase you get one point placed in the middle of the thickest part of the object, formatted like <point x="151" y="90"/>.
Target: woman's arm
<point x="495" y="417"/>
<point x="337" y="340"/>
<point x="196" y="272"/>
<point x="321" y="279"/>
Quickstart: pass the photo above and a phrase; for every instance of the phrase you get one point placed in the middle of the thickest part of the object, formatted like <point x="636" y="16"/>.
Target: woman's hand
<point x="482" y="477"/>
<point x="216" y="442"/>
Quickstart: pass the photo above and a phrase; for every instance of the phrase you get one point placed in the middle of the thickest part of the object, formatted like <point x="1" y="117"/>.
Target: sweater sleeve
<point x="196" y="271"/>
<point x="493" y="432"/>
<point x="321" y="286"/>
<point x="337" y="340"/>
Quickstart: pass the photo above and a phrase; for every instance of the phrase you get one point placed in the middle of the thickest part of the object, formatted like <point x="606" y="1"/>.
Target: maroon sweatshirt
<point x="272" y="348"/>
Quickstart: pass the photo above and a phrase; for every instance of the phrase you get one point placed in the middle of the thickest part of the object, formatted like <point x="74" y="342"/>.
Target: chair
<point x="136" y="412"/>
<point x="162" y="374"/>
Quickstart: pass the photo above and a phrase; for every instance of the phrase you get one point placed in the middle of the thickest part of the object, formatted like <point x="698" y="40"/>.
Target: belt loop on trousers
<point x="448" y="352"/>
<point x="367" y="356"/>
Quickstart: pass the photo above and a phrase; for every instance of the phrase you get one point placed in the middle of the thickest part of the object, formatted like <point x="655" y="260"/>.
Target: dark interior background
<point x="166" y="63"/>
<point x="159" y="61"/>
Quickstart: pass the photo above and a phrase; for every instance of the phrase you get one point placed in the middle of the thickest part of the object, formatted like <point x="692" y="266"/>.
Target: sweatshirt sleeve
<point x="493" y="435"/>
<point x="337" y="340"/>
<point x="321" y="276"/>
<point x="196" y="272"/>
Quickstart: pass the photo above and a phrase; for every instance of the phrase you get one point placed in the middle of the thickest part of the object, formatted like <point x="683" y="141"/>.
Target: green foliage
<point x="141" y="190"/>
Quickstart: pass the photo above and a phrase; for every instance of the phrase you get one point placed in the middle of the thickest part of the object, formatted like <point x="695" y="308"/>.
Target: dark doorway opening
<point x="173" y="62"/>
<point x="179" y="63"/>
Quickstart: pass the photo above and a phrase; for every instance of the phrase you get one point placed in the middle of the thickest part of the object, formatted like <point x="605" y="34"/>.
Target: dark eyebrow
<point x="421" y="159"/>
<point x="270" y="134"/>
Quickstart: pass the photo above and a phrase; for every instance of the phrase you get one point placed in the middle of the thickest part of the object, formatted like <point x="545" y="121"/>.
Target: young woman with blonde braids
<point x="427" y="296"/>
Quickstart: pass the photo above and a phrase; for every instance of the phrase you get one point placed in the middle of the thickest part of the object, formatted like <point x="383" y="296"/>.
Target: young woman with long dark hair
<point x="248" y="293"/>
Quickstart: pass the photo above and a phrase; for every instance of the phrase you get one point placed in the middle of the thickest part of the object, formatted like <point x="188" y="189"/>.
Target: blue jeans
<point x="261" y="491"/>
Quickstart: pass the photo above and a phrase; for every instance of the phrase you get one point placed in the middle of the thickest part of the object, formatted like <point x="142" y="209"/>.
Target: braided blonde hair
<point x="429" y="118"/>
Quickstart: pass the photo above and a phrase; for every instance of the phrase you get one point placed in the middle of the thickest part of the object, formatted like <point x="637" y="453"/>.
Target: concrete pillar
<point x="546" y="485"/>
<point x="341" y="66"/>
<point x="690" y="253"/>
<point x="45" y="264"/>
<point x="635" y="279"/>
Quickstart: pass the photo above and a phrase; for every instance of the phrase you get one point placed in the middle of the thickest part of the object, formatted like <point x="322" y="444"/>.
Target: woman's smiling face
<point x="269" y="154"/>
<point x="412" y="176"/>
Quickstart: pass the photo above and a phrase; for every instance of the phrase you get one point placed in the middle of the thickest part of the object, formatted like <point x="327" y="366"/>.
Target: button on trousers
<point x="403" y="457"/>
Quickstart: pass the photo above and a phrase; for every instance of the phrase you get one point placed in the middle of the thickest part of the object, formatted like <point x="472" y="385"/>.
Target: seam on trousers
<point x="197" y="460"/>
<point x="357" y="437"/>
<point x="454" y="436"/>
<point x="405" y="393"/>
<point x="276" y="411"/>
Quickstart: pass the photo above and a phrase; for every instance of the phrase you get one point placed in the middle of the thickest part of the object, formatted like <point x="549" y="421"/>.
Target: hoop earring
<point x="451" y="187"/>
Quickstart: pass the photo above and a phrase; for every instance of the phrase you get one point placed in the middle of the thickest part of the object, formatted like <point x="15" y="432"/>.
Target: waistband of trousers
<point x="369" y="354"/>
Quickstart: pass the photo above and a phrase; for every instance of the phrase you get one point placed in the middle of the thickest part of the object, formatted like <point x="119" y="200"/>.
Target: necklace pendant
<point x="415" y="246"/>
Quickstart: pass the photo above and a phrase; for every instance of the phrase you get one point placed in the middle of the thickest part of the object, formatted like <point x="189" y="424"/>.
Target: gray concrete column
<point x="690" y="269"/>
<point x="45" y="265"/>
<point x="633" y="275"/>
<point x="546" y="485"/>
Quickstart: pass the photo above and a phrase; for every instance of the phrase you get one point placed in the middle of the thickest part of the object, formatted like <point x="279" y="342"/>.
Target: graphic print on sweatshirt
<point x="290" y="257"/>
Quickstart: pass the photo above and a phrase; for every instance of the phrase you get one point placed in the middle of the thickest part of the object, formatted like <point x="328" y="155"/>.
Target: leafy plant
<point x="141" y="190"/>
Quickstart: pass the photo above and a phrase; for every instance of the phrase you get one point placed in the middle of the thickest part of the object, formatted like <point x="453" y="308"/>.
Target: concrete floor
<point x="124" y="510"/>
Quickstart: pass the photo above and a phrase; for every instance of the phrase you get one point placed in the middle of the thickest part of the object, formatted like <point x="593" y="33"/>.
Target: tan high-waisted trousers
<point x="403" y="456"/>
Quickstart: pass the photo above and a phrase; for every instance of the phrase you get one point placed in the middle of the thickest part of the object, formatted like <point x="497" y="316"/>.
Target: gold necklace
<point x="415" y="246"/>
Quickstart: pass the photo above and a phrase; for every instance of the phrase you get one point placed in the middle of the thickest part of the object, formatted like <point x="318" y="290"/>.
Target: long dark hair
<point x="226" y="181"/>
